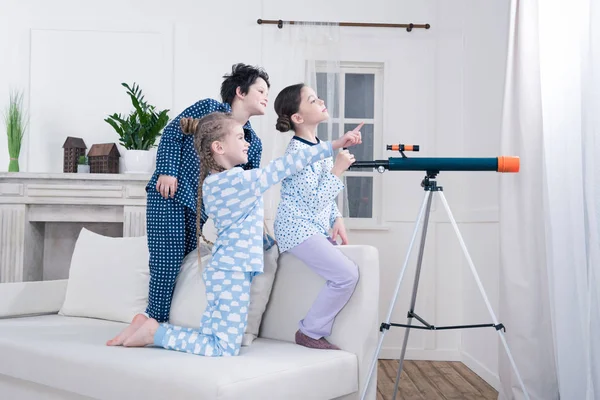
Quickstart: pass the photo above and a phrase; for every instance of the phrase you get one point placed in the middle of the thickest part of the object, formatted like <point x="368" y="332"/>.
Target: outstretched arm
<point x="261" y="179"/>
<point x="244" y="188"/>
<point x="241" y="190"/>
<point x="282" y="167"/>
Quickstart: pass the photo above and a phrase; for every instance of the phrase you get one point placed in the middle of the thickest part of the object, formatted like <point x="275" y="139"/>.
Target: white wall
<point x="443" y="90"/>
<point x="486" y="35"/>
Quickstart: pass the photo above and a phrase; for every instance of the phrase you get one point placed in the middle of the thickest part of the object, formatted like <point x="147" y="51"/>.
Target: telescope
<point x="434" y="165"/>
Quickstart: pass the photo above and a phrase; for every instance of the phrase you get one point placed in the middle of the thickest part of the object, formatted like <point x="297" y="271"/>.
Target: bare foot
<point x="137" y="321"/>
<point x="143" y="336"/>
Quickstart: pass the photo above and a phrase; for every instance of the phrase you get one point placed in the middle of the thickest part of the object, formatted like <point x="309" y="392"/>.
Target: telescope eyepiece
<point x="402" y="147"/>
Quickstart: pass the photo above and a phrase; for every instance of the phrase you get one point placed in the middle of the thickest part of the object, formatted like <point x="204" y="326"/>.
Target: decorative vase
<point x="138" y="162"/>
<point x="13" y="165"/>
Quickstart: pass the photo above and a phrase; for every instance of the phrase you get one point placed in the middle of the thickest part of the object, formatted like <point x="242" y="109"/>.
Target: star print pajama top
<point x="171" y="223"/>
<point x="234" y="201"/>
<point x="307" y="206"/>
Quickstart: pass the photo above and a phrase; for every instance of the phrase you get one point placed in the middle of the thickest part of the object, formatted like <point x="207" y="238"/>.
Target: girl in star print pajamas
<point x="307" y="212"/>
<point x="171" y="192"/>
<point x="233" y="199"/>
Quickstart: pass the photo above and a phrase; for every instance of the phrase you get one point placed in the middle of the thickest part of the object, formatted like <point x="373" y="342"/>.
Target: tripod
<point x="430" y="187"/>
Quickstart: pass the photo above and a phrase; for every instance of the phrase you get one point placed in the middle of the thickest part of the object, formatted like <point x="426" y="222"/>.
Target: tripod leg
<point x="413" y="299"/>
<point x="482" y="291"/>
<point x="426" y="197"/>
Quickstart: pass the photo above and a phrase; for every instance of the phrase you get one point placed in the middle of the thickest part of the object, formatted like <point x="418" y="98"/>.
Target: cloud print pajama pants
<point x="223" y="322"/>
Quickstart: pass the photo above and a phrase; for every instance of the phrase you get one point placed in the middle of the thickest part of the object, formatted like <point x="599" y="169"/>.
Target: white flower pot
<point x="138" y="162"/>
<point x="83" y="169"/>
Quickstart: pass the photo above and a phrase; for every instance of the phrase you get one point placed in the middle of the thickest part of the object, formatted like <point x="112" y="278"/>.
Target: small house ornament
<point x="73" y="148"/>
<point x="104" y="158"/>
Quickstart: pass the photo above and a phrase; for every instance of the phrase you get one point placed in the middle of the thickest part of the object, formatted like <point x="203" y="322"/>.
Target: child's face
<point x="235" y="147"/>
<point x="255" y="101"/>
<point x="312" y="109"/>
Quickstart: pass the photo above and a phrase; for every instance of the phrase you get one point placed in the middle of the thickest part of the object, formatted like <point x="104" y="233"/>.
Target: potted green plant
<point x="138" y="131"/>
<point x="82" y="165"/>
<point x="15" y="122"/>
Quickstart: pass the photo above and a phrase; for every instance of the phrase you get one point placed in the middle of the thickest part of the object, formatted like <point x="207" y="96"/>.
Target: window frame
<point x="377" y="69"/>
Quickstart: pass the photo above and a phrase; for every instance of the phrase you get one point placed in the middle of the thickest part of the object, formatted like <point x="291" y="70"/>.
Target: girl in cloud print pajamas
<point x="232" y="197"/>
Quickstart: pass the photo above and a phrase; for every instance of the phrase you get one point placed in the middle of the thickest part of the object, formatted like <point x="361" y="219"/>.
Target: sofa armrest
<point x="31" y="298"/>
<point x="356" y="328"/>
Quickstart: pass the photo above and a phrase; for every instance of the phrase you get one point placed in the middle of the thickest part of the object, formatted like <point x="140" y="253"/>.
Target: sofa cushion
<point x="189" y="299"/>
<point x="68" y="353"/>
<point x="108" y="278"/>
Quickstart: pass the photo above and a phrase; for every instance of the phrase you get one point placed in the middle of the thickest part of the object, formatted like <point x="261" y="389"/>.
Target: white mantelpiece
<point x="28" y="201"/>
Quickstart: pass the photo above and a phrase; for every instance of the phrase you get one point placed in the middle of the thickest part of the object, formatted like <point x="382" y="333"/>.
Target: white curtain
<point x="313" y="57"/>
<point x="323" y="74"/>
<point x="311" y="52"/>
<point x="307" y="48"/>
<point x="322" y="53"/>
<point x="549" y="212"/>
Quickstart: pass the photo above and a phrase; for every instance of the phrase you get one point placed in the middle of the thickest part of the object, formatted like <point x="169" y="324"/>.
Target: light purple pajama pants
<point x="341" y="274"/>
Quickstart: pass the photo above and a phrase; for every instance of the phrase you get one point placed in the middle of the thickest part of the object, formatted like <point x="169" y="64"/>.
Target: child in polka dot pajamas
<point x="308" y="211"/>
<point x="233" y="199"/>
<point x="171" y="192"/>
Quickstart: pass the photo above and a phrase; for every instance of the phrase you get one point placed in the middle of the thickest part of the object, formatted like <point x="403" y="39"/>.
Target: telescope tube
<point x="498" y="164"/>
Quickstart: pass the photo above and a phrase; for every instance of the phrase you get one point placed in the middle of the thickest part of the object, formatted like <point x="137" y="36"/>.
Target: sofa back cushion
<point x="108" y="278"/>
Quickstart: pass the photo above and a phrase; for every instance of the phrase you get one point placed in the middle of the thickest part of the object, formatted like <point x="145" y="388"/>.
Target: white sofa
<point x="45" y="355"/>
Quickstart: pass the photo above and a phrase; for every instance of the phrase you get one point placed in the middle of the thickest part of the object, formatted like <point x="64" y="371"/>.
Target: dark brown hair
<point x="287" y="104"/>
<point x="242" y="76"/>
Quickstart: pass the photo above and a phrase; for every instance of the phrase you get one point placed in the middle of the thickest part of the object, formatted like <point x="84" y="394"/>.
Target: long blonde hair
<point x="206" y="130"/>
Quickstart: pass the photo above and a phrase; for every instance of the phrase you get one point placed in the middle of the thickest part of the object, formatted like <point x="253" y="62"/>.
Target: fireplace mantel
<point x="29" y="200"/>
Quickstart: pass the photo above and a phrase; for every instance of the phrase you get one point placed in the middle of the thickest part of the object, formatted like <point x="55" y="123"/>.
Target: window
<point x="358" y="98"/>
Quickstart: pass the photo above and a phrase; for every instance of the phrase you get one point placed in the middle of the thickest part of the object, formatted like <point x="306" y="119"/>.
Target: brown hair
<point x="287" y="103"/>
<point x="206" y="130"/>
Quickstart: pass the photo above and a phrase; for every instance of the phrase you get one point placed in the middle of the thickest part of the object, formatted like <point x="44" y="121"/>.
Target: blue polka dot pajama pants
<point x="223" y="322"/>
<point x="171" y="228"/>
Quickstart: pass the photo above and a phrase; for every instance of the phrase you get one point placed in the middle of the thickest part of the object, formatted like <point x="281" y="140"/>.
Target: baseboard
<point x="481" y="370"/>
<point x="393" y="353"/>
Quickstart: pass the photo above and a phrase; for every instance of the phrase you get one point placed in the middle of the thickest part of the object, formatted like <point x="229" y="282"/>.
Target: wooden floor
<point x="425" y="380"/>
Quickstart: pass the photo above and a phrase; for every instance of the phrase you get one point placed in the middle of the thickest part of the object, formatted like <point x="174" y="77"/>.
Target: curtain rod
<point x="409" y="27"/>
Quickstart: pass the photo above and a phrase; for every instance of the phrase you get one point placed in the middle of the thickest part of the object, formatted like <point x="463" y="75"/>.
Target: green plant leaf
<point x="16" y="123"/>
<point x="143" y="126"/>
